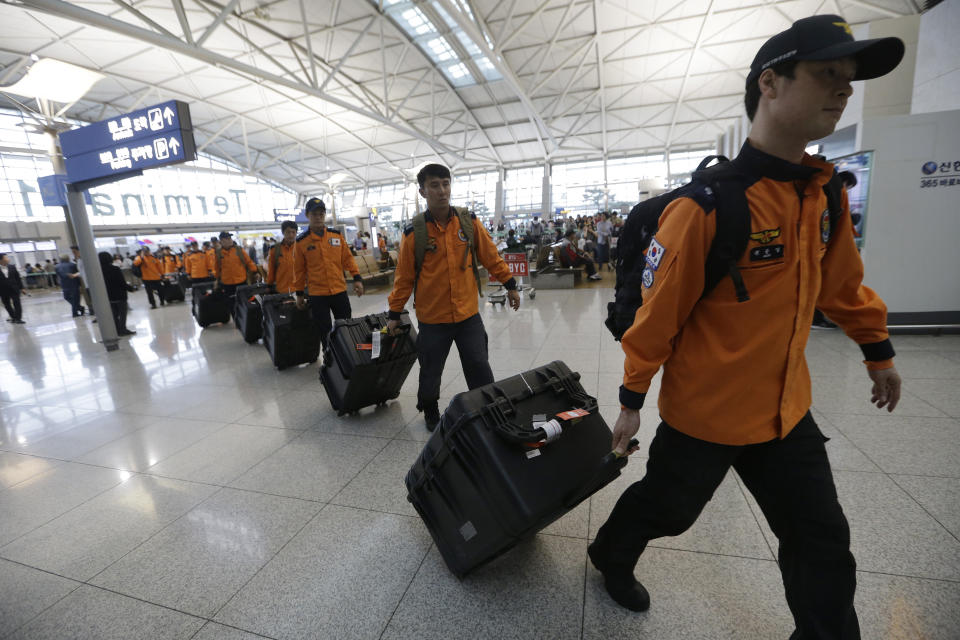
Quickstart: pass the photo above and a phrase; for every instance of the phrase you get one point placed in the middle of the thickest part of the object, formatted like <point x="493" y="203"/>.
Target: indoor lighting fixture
<point x="53" y="80"/>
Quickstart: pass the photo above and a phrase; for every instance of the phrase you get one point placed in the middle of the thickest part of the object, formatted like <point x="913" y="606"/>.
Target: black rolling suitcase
<point x="247" y="315"/>
<point x="288" y="333"/>
<point x="210" y="306"/>
<point x="172" y="289"/>
<point x="351" y="374"/>
<point x="485" y="480"/>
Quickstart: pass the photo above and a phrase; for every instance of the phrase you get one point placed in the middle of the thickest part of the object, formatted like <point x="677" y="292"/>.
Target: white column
<point x="545" y="196"/>
<point x="91" y="265"/>
<point x="498" y="204"/>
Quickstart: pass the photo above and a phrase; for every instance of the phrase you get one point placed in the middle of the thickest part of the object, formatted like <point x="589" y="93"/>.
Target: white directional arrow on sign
<point x="168" y="114"/>
<point x="174" y="146"/>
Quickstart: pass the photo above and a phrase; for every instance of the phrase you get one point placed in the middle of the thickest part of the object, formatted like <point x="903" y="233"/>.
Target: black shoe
<point x="153" y="306"/>
<point x="431" y="415"/>
<point x="620" y="583"/>
<point x="19" y="322"/>
<point x="9" y="319"/>
<point x="126" y="332"/>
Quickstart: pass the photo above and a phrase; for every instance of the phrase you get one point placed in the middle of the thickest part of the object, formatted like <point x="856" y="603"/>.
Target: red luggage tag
<point x="364" y="347"/>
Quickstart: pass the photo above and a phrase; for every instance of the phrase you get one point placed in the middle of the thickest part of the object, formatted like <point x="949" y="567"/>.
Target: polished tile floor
<point x="183" y="488"/>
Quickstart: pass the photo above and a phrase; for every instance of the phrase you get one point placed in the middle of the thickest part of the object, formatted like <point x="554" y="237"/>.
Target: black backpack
<point x="726" y="184"/>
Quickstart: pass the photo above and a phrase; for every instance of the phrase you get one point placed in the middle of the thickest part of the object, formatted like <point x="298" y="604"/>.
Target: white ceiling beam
<point x="224" y="13"/>
<point x="890" y="13"/>
<point x="475" y="34"/>
<point x="598" y="37"/>
<point x="503" y="42"/>
<point x="143" y="18"/>
<point x="346" y="56"/>
<point x="184" y="23"/>
<point x="686" y="75"/>
<point x="309" y="41"/>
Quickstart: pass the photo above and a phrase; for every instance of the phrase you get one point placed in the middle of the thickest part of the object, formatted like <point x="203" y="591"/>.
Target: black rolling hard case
<point x="506" y="460"/>
<point x="363" y="366"/>
<point x="173" y="289"/>
<point x="210" y="305"/>
<point x="288" y="333"/>
<point x="247" y="315"/>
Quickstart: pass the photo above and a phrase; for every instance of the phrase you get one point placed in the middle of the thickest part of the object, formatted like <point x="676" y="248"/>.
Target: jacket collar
<point x="752" y="161"/>
<point x="320" y="235"/>
<point x="428" y="217"/>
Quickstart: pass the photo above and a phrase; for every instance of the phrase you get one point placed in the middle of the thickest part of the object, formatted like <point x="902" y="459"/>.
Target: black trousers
<point x="433" y="347"/>
<point x="152" y="286"/>
<point x="791" y="481"/>
<point x="119" y="309"/>
<point x="320" y="308"/>
<point x="11" y="301"/>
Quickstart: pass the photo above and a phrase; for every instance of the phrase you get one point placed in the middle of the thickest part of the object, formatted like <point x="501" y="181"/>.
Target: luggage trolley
<point x="520" y="268"/>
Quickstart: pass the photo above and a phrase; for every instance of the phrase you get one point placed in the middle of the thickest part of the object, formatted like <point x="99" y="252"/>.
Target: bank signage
<point x="153" y="137"/>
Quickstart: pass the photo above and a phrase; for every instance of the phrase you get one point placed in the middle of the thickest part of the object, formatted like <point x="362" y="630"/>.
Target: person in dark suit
<point x="117" y="288"/>
<point x="11" y="286"/>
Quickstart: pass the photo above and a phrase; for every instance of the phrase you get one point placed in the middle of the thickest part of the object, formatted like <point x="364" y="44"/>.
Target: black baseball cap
<point x="828" y="38"/>
<point x="225" y="234"/>
<point x="314" y="203"/>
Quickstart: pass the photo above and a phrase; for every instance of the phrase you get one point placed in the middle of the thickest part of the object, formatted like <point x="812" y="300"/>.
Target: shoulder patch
<point x="700" y="193"/>
<point x="408" y="230"/>
<point x="473" y="216"/>
<point x="303" y="235"/>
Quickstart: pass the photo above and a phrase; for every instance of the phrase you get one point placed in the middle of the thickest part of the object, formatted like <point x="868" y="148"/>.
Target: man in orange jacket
<point x="321" y="255"/>
<point x="233" y="265"/>
<point x="195" y="264"/>
<point x="280" y="259"/>
<point x="170" y="261"/>
<point x="736" y="390"/>
<point x="446" y="290"/>
<point x="151" y="271"/>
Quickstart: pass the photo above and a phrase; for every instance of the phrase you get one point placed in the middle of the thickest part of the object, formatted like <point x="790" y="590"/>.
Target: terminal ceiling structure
<point x="311" y="93"/>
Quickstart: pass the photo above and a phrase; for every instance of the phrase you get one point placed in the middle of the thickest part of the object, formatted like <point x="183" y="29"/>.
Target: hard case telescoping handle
<point x="608" y="461"/>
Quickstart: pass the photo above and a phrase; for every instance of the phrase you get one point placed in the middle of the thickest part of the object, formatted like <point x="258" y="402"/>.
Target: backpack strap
<point x="275" y="258"/>
<point x="732" y="215"/>
<point x="466" y="224"/>
<point x="834" y="192"/>
<point x="419" y="247"/>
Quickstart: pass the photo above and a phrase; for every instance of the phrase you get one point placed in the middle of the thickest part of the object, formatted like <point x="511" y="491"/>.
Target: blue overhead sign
<point x="53" y="191"/>
<point x="152" y="137"/>
<point x="125" y="129"/>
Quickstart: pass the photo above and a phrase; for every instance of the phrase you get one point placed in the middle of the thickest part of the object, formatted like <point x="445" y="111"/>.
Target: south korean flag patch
<point x="647" y="278"/>
<point x="655" y="254"/>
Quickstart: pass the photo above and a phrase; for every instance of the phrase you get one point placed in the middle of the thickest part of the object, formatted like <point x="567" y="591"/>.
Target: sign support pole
<point x="88" y="251"/>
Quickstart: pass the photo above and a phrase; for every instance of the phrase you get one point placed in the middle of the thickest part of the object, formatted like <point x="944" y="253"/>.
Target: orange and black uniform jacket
<point x="446" y="292"/>
<point x="282" y="275"/>
<point x="171" y="264"/>
<point x="734" y="372"/>
<point x="195" y="264"/>
<point x="150" y="268"/>
<point x="211" y="254"/>
<point x="319" y="262"/>
<point x="234" y="265"/>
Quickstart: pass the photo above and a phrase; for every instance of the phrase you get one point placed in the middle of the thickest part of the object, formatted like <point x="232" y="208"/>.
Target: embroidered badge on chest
<point x="334" y="242"/>
<point x="825" y="226"/>
<point x="655" y="254"/>
<point x="647" y="278"/>
<point x="461" y="235"/>
<point x="766" y="236"/>
<point x="431" y="244"/>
